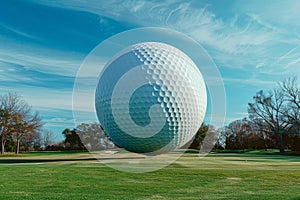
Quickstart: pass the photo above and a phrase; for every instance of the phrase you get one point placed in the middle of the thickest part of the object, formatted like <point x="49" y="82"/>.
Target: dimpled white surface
<point x="151" y="97"/>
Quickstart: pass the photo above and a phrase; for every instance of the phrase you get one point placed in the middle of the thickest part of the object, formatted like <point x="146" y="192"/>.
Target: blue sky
<point x="43" y="43"/>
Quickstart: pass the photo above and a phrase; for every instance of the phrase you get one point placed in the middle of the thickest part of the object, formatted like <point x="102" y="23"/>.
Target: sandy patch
<point x="234" y="179"/>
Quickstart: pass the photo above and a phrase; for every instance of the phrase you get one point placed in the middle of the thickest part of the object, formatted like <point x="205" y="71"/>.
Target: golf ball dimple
<point x="151" y="98"/>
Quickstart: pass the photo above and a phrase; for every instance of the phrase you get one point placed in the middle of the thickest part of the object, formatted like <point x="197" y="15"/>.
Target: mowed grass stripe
<point x="231" y="176"/>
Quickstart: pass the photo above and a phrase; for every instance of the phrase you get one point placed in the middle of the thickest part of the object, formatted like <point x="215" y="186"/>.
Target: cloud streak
<point x="252" y="34"/>
<point x="253" y="44"/>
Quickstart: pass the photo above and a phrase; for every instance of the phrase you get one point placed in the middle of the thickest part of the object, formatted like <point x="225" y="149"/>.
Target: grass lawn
<point x="218" y="176"/>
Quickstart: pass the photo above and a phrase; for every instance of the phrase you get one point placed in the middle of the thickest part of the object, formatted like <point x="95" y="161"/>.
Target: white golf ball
<point x="151" y="98"/>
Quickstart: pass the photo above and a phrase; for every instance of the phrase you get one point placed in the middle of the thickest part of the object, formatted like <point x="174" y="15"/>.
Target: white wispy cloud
<point x="42" y="59"/>
<point x="248" y="38"/>
<point x="251" y="81"/>
<point x="17" y="31"/>
<point x="276" y="12"/>
<point x="255" y="38"/>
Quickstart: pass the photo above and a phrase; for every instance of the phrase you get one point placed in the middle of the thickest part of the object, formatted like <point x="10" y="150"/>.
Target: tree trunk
<point x="2" y="145"/>
<point x="280" y="143"/>
<point x="18" y="146"/>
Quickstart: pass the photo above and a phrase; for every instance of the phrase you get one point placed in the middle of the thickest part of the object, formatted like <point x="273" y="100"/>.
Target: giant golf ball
<point x="150" y="98"/>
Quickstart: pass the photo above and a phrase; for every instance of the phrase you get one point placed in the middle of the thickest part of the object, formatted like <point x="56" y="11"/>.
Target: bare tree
<point x="291" y="93"/>
<point x="267" y="109"/>
<point x="237" y="133"/>
<point x="93" y="137"/>
<point x="47" y="138"/>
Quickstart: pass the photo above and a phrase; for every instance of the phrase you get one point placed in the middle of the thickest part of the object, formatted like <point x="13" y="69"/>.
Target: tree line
<point x="85" y="137"/>
<point x="273" y="121"/>
<point x="21" y="129"/>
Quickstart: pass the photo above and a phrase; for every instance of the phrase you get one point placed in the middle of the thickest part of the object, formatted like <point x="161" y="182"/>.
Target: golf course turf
<point x="65" y="175"/>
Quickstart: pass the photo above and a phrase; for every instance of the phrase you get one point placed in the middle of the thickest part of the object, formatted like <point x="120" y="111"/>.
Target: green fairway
<point x="217" y="176"/>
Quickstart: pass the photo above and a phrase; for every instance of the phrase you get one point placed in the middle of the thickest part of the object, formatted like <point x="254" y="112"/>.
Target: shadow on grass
<point x="263" y="157"/>
<point x="17" y="161"/>
<point x="45" y="153"/>
<point x="24" y="161"/>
